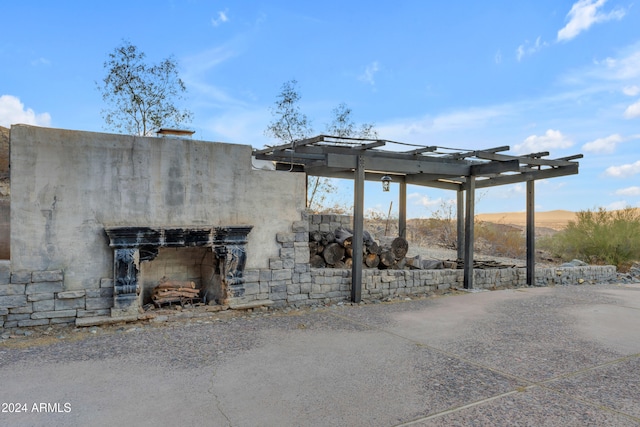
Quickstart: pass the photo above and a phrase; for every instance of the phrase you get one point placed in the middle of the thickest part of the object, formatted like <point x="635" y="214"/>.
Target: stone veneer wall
<point x="39" y="298"/>
<point x="290" y="281"/>
<point x="35" y="298"/>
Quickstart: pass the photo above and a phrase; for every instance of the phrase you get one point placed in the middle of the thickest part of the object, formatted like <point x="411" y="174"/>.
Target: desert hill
<point x="556" y="220"/>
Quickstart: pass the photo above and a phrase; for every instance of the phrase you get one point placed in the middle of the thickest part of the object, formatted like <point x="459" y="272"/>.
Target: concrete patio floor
<point x="555" y="356"/>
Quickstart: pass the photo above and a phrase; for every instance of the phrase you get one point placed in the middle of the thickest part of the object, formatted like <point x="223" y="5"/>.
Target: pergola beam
<point x="528" y="176"/>
<point x="399" y="166"/>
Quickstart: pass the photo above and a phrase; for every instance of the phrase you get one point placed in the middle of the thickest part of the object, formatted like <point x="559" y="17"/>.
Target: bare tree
<point x="343" y="125"/>
<point x="289" y="124"/>
<point x="141" y="97"/>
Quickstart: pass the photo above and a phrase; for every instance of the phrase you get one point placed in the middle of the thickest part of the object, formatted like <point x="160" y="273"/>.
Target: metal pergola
<point x="463" y="171"/>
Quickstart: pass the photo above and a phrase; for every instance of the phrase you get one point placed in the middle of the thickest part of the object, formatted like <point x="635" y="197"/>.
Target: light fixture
<point x="386" y="182"/>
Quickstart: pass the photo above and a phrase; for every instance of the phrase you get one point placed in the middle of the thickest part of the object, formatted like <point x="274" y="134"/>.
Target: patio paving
<point x="567" y="355"/>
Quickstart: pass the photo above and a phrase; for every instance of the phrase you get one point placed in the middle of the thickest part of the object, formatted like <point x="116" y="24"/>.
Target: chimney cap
<point x="176" y="133"/>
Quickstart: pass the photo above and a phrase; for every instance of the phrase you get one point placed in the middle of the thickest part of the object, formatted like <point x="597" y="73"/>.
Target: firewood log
<point x="317" y="261"/>
<point x="414" y="263"/>
<point x="341" y="234"/>
<point x="367" y="238"/>
<point x="333" y="253"/>
<point x="386" y="259"/>
<point x="174" y="294"/>
<point x="372" y="260"/>
<point x="339" y="264"/>
<point x="315" y="236"/>
<point x="327" y="237"/>
<point x="399" y="247"/>
<point x="348" y="242"/>
<point x="373" y="248"/>
<point x="164" y="283"/>
<point x="315" y="248"/>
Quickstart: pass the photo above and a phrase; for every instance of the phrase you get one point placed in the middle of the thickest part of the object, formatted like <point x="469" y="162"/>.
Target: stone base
<point x="248" y="305"/>
<point x="97" y="321"/>
<point x="117" y="313"/>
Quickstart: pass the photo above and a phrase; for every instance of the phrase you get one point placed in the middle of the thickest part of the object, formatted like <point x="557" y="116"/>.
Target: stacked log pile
<point x="335" y="250"/>
<point x="174" y="291"/>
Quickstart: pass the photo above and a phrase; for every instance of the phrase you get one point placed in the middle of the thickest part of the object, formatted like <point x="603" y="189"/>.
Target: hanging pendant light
<point x="386" y="182"/>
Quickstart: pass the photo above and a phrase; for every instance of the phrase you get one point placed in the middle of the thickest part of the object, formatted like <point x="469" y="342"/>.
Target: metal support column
<point x="531" y="234"/>
<point x="460" y="223"/>
<point x="358" y="231"/>
<point x="402" y="220"/>
<point x="468" y="232"/>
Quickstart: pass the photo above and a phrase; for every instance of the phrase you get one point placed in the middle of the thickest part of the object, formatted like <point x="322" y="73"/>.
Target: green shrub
<point x="500" y="240"/>
<point x="599" y="237"/>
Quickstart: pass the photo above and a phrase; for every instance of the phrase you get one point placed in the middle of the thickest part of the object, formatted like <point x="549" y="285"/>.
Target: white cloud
<point x="625" y="67"/>
<point x="552" y="139"/>
<point x="424" y="200"/>
<point x="583" y="14"/>
<point x="220" y="19"/>
<point x="197" y="76"/>
<point x="240" y="125"/>
<point x="629" y="191"/>
<point x="420" y="129"/>
<point x="616" y="206"/>
<point x="369" y="72"/>
<point x="631" y="90"/>
<point x="527" y="49"/>
<point x="632" y="111"/>
<point x="12" y="111"/>
<point x="507" y="191"/>
<point x="40" y="61"/>
<point x="603" y="145"/>
<point x="623" y="171"/>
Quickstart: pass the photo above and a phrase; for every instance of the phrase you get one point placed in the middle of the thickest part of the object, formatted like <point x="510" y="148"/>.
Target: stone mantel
<point x="134" y="244"/>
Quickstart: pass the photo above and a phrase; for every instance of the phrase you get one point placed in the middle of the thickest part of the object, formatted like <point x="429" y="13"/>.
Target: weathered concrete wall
<point x="5" y="227"/>
<point x="68" y="185"/>
<point x="4" y="153"/>
<point x="5" y="191"/>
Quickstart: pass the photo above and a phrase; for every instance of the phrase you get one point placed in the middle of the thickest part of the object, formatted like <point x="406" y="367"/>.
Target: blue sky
<point x="557" y="76"/>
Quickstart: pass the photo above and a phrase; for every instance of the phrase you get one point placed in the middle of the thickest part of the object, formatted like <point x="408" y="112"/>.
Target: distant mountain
<point x="556" y="220"/>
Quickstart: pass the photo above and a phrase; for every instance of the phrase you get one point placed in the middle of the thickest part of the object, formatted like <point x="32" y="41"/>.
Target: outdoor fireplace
<point x="224" y="245"/>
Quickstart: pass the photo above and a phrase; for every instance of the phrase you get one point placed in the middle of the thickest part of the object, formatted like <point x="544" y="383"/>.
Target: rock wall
<point x="290" y="281"/>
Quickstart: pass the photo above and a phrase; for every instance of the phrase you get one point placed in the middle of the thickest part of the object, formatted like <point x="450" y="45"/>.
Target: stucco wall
<point x="68" y="185"/>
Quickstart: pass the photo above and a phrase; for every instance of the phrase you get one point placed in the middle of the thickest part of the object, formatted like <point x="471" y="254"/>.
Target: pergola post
<point x="402" y="220"/>
<point x="531" y="234"/>
<point x="358" y="230"/>
<point x="460" y="222"/>
<point x="468" y="232"/>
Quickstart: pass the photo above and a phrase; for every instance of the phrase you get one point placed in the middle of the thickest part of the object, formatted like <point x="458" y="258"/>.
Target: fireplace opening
<point x="186" y="265"/>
